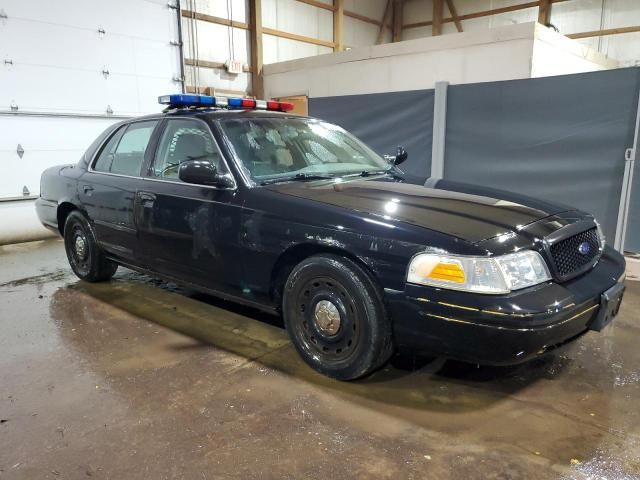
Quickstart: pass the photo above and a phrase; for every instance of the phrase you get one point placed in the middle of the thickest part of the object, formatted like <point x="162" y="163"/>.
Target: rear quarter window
<point x="123" y="154"/>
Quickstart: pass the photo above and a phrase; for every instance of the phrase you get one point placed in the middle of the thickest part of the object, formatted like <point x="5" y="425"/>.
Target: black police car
<point x="292" y="215"/>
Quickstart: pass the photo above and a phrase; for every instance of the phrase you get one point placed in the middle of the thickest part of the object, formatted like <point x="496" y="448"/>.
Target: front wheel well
<point x="64" y="209"/>
<point x="295" y="254"/>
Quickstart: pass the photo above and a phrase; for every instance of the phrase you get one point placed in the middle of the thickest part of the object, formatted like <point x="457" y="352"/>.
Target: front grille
<point x="568" y="258"/>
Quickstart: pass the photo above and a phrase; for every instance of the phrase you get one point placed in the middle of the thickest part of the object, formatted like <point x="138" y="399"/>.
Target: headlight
<point x="479" y="274"/>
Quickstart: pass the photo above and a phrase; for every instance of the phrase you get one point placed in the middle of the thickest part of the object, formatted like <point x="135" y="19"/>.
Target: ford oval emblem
<point x="584" y="248"/>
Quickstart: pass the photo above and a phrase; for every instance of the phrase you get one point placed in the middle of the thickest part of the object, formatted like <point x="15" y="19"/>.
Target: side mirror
<point x="203" y="172"/>
<point x="401" y="156"/>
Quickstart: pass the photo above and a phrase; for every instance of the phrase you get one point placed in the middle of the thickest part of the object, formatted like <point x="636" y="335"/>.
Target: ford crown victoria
<point x="296" y="216"/>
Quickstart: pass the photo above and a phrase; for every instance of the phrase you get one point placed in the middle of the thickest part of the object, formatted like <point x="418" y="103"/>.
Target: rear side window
<point x="124" y="152"/>
<point x="105" y="159"/>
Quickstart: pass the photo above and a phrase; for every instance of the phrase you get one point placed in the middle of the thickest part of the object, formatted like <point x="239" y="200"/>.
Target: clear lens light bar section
<point x="186" y="100"/>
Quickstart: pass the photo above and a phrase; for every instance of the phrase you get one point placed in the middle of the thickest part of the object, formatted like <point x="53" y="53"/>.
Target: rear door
<point x="108" y="189"/>
<point x="189" y="231"/>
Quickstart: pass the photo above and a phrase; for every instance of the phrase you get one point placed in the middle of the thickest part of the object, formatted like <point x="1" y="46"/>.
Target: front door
<point x="108" y="188"/>
<point x="189" y="231"/>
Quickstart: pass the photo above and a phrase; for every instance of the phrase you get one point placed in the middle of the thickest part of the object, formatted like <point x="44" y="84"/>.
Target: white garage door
<point x="69" y="69"/>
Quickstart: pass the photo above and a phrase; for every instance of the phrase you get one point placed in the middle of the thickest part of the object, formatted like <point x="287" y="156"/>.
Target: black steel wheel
<point x="85" y="257"/>
<point x="336" y="318"/>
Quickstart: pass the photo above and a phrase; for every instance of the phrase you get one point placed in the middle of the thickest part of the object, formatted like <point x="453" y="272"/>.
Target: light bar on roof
<point x="186" y="100"/>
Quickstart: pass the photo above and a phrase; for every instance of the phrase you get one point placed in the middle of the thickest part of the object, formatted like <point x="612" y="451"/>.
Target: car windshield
<point x="281" y="149"/>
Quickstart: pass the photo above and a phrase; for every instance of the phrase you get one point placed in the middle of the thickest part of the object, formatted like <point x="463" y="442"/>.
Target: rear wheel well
<point x="64" y="209"/>
<point x="294" y="255"/>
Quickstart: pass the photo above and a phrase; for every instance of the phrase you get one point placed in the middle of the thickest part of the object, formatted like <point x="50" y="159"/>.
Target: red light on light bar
<point x="279" y="106"/>
<point x="286" y="107"/>
<point x="248" y="103"/>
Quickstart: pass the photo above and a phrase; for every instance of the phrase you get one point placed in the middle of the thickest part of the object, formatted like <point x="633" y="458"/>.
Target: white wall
<point x="505" y="53"/>
<point x="555" y="54"/>
<point x="570" y="17"/>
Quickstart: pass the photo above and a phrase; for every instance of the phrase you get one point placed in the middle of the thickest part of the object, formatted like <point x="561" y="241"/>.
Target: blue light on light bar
<point x="235" y="103"/>
<point x="187" y="100"/>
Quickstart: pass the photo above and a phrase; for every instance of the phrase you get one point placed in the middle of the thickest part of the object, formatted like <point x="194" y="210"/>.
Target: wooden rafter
<point x="608" y="31"/>
<point x="544" y="12"/>
<point x="213" y="19"/>
<point x="338" y="25"/>
<point x="315" y="3"/>
<point x="454" y="15"/>
<point x="347" y="13"/>
<point x="255" y="13"/>
<point x="436" y="27"/>
<point x="248" y="26"/>
<point x="484" y="13"/>
<point x="385" y="19"/>
<point x="194" y="62"/>
<point x="296" y="37"/>
<point x="362" y="18"/>
<point x="397" y="20"/>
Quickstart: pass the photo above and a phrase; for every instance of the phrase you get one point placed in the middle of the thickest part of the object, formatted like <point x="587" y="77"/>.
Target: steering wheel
<point x="170" y="170"/>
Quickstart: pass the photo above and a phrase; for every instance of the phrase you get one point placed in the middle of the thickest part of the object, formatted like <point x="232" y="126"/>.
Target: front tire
<point x="85" y="257"/>
<point x="336" y="318"/>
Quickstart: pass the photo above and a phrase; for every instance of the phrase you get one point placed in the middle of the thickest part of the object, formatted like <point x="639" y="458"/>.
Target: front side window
<point x="280" y="148"/>
<point x="124" y="152"/>
<point x="183" y="140"/>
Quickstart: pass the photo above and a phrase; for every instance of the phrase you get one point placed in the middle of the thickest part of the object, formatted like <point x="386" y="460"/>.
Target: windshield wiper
<point x="367" y="173"/>
<point x="298" y="177"/>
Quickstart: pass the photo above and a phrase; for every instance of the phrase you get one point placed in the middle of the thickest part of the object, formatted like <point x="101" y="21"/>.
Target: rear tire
<point x="336" y="318"/>
<point x="86" y="258"/>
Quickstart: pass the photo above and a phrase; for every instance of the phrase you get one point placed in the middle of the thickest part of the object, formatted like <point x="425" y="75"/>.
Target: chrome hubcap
<point x="80" y="246"/>
<point x="327" y="317"/>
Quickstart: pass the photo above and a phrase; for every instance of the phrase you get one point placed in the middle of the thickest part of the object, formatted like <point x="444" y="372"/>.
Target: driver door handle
<point x="146" y="199"/>
<point x="143" y="210"/>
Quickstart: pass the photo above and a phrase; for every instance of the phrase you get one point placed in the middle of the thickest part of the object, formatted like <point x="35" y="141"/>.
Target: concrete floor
<point x="137" y="379"/>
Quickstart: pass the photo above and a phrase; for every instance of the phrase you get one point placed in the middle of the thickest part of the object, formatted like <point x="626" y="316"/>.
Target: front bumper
<point x="501" y="329"/>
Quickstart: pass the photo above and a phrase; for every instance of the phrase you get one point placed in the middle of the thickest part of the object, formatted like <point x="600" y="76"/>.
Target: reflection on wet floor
<point x="176" y="384"/>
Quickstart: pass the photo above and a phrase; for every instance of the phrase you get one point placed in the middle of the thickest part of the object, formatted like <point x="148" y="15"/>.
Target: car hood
<point x="447" y="208"/>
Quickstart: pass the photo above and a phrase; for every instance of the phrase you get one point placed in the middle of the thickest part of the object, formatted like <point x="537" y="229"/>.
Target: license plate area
<point x="609" y="306"/>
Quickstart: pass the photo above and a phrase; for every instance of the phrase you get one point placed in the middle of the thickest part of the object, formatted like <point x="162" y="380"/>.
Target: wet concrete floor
<point x="137" y="379"/>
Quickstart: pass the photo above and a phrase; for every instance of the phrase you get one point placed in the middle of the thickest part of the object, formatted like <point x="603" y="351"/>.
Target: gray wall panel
<point x="384" y="121"/>
<point x="632" y="242"/>
<point x="557" y="138"/>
